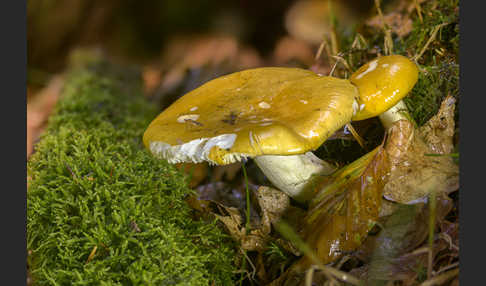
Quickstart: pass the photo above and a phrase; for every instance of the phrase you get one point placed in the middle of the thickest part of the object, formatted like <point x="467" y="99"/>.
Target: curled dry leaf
<point x="420" y="158"/>
<point x="231" y="203"/>
<point x="346" y="208"/>
<point x="224" y="194"/>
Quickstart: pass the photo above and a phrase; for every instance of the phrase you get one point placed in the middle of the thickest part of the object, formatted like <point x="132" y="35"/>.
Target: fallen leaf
<point x="420" y="159"/>
<point x="346" y="208"/>
<point x="399" y="23"/>
<point x="398" y="251"/>
<point x="289" y="49"/>
<point x="192" y="52"/>
<point x="438" y="132"/>
<point x="231" y="203"/>
<point x="274" y="204"/>
<point x="310" y="20"/>
<point x="152" y="78"/>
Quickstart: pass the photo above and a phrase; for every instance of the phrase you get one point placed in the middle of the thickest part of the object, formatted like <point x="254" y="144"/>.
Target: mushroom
<point x="276" y="116"/>
<point x="382" y="83"/>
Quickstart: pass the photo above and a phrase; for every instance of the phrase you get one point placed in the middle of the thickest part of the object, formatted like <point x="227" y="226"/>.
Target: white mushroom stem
<point x="295" y="175"/>
<point x="398" y="112"/>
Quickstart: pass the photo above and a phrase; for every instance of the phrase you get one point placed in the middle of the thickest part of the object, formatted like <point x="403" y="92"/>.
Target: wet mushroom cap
<point x="382" y="83"/>
<point x="263" y="111"/>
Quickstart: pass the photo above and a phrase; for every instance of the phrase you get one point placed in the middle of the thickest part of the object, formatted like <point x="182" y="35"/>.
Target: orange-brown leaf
<point x="347" y="207"/>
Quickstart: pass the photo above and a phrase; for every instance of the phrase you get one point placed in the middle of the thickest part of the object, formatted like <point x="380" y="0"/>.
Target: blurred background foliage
<point x="140" y="30"/>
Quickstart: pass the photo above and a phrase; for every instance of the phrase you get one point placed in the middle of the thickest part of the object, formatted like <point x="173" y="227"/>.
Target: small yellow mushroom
<point x="382" y="83"/>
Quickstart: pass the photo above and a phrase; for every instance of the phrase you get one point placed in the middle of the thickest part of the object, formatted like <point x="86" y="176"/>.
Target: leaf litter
<point x="420" y="158"/>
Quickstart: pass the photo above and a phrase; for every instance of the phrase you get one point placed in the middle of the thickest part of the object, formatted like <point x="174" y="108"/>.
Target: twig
<point x="308" y="276"/>
<point x="345" y="63"/>
<point x="71" y="171"/>
<point x="251" y="264"/>
<point x="419" y="10"/>
<point x="388" y="38"/>
<point x="92" y="254"/>
<point x="356" y="135"/>
<point x="450" y="266"/>
<point x="432" y="37"/>
<point x="247" y="199"/>
<point x="432" y="214"/>
<point x="447" y="238"/>
<point x="319" y="51"/>
<point x="288" y="232"/>
<point x="441" y="279"/>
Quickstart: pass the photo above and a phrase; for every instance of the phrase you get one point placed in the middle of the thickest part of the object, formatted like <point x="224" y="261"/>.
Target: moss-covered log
<point x="101" y="210"/>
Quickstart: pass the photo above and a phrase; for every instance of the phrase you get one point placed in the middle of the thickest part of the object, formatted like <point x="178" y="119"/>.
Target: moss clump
<point x="101" y="210"/>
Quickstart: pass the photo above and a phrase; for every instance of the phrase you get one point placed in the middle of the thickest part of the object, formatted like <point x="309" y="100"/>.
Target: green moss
<point x="439" y="76"/>
<point x="434" y="84"/>
<point x="93" y="185"/>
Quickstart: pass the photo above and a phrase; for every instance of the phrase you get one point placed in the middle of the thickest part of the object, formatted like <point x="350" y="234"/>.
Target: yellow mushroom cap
<point x="263" y="111"/>
<point x="382" y="83"/>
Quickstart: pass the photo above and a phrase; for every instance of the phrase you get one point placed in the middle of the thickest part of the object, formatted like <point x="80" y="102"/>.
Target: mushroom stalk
<point x="398" y="112"/>
<point x="294" y="174"/>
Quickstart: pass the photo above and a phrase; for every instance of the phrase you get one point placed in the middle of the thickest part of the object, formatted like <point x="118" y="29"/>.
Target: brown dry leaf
<point x="399" y="24"/>
<point x="253" y="241"/>
<point x="152" y="78"/>
<point x="394" y="253"/>
<point x="438" y="132"/>
<point x="194" y="52"/>
<point x="39" y="109"/>
<point x="310" y="20"/>
<point x="272" y="203"/>
<point x="343" y="211"/>
<point x="290" y="49"/>
<point x="420" y="161"/>
<point x="398" y="17"/>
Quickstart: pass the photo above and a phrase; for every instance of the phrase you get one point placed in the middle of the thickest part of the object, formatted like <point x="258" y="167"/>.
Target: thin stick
<point x="432" y="210"/>
<point x="388" y="37"/>
<point x="308" y="276"/>
<point x="319" y="51"/>
<point x="419" y="10"/>
<point x="92" y="254"/>
<point x="432" y="38"/>
<point x="345" y="63"/>
<point x="247" y="199"/>
<point x="441" y="279"/>
<point x="287" y="231"/>
<point x="356" y="135"/>
<point x="450" y="266"/>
